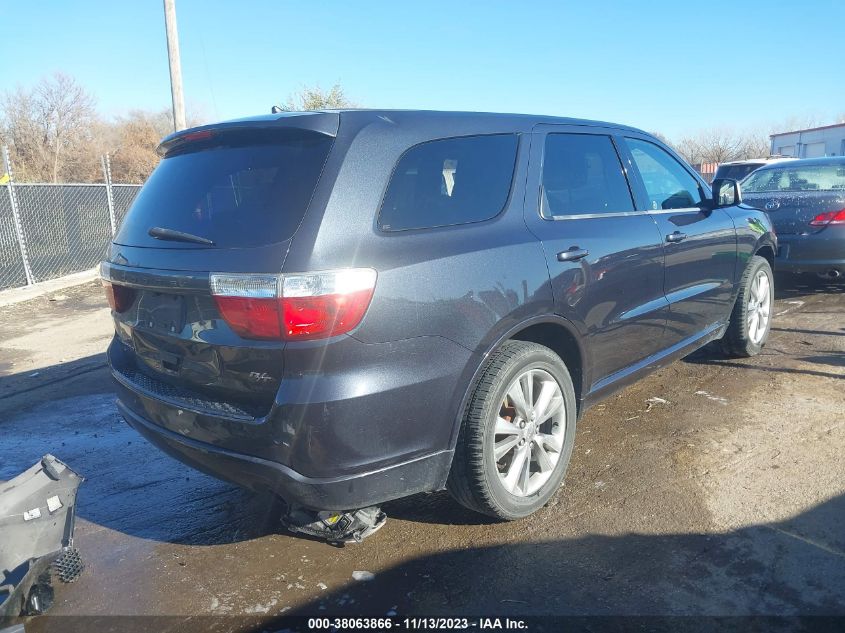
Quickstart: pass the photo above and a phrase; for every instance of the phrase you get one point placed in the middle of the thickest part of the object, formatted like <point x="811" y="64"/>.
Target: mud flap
<point x="335" y="527"/>
<point x="37" y="514"/>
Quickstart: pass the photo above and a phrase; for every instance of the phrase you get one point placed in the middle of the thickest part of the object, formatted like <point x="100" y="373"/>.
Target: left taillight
<point x="120" y="298"/>
<point x="294" y="307"/>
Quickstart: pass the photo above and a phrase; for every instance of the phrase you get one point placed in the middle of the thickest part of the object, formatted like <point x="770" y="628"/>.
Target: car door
<point x="605" y="258"/>
<point x="699" y="241"/>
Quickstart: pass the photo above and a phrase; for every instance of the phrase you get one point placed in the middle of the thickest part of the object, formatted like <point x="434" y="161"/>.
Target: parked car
<point x="739" y="169"/>
<point x="349" y="307"/>
<point x="806" y="202"/>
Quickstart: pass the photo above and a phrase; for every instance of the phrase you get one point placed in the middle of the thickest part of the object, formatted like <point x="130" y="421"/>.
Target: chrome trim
<point x="666" y="211"/>
<point x="590" y="216"/>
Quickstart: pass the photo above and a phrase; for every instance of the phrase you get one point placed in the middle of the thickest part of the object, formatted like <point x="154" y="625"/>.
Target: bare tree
<point x="315" y="98"/>
<point x="722" y="144"/>
<point x="799" y="122"/>
<point x="132" y="144"/>
<point x="51" y="129"/>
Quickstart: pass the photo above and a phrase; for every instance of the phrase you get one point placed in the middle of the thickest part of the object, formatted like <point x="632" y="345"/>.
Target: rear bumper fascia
<point x="814" y="253"/>
<point x="345" y="492"/>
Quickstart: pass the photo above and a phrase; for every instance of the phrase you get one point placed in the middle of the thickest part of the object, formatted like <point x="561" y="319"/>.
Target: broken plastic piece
<point x="36" y="524"/>
<point x="336" y="527"/>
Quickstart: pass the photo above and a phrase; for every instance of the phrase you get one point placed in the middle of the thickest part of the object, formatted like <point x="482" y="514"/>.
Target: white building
<point x="828" y="140"/>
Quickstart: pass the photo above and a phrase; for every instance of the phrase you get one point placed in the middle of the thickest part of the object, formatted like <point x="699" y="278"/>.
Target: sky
<point x="672" y="67"/>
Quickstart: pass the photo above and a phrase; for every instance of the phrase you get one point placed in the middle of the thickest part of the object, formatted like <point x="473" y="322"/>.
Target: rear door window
<point x="582" y="174"/>
<point x="450" y="181"/>
<point x="237" y="190"/>
<point x="668" y="184"/>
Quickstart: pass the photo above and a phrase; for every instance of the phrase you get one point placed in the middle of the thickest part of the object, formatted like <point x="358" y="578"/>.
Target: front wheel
<point x="751" y="319"/>
<point x="517" y="434"/>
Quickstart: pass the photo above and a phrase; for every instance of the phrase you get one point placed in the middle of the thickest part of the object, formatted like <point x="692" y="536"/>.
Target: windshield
<point x="236" y="191"/>
<point x="796" y="178"/>
<point x="736" y="172"/>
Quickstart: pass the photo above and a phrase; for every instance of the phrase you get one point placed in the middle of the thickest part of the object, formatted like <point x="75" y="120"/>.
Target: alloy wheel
<point x="759" y="307"/>
<point x="529" y="432"/>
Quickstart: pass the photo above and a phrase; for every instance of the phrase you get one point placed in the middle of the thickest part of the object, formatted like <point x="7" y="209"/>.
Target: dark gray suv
<point x="347" y="307"/>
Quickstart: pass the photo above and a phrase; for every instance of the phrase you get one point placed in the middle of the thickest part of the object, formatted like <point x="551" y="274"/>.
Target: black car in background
<point x="739" y="169"/>
<point x="348" y="307"/>
<point x="806" y="201"/>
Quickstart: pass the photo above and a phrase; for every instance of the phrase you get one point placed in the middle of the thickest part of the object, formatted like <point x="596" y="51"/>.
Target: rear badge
<point x="772" y="205"/>
<point x="260" y="376"/>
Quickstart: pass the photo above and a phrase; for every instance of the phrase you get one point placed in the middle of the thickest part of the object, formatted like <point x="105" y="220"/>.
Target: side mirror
<point x="726" y="192"/>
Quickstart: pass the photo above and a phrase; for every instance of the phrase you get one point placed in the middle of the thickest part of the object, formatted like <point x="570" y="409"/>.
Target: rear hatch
<point x="224" y="199"/>
<point x="795" y="195"/>
<point x="736" y="171"/>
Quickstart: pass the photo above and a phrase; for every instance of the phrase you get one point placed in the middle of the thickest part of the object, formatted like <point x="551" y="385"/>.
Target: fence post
<point x="109" y="198"/>
<point x="7" y="164"/>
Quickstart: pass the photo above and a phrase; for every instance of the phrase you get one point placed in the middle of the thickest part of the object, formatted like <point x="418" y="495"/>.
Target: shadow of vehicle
<point x="790" y="567"/>
<point x="791" y="286"/>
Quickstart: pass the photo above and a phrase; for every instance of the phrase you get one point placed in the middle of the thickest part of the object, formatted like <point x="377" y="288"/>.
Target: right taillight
<point x="300" y="306"/>
<point x="120" y="298"/>
<point x="828" y="218"/>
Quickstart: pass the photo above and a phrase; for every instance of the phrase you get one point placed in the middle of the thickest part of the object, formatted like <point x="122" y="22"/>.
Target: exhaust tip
<point x="833" y="273"/>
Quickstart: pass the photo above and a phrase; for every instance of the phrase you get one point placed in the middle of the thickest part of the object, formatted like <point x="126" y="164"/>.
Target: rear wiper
<point x="161" y="233"/>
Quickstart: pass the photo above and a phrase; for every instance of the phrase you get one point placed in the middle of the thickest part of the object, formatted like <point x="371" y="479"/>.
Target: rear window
<point x="450" y="181"/>
<point x="736" y="172"/>
<point x="797" y="178"/>
<point x="242" y="190"/>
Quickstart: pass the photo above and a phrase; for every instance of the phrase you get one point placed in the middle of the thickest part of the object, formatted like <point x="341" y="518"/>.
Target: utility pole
<point x="175" y="65"/>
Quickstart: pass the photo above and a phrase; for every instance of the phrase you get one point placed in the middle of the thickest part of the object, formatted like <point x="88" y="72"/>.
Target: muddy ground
<point x="725" y="497"/>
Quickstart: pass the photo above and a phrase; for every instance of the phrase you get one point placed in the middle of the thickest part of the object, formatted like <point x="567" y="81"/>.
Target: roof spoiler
<point x="326" y="123"/>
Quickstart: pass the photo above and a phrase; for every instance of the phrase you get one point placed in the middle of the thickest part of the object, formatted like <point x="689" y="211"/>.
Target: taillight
<point x="828" y="218"/>
<point x="120" y="298"/>
<point x="296" y="307"/>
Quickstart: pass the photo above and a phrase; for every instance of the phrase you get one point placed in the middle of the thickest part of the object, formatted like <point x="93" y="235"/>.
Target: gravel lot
<point x="713" y="487"/>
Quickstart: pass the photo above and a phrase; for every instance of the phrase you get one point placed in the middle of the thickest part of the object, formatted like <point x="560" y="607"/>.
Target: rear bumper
<point x="356" y="425"/>
<point x="817" y="253"/>
<point x="326" y="493"/>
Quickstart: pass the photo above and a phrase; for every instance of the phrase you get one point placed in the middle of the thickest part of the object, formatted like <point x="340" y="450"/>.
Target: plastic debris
<point x="36" y="523"/>
<point x="336" y="527"/>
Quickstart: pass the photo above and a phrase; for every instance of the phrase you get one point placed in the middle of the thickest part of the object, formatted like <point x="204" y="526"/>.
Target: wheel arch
<point x="555" y="332"/>
<point x="766" y="251"/>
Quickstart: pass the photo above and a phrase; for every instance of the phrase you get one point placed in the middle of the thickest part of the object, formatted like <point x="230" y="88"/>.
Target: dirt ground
<point x="712" y="487"/>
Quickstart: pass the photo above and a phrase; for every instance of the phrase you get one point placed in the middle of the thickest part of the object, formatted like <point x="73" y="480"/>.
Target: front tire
<point x="516" y="437"/>
<point x="751" y="319"/>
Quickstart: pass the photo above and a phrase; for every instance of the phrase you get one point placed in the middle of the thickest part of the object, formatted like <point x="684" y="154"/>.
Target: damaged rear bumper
<point x="37" y="514"/>
<point x="323" y="493"/>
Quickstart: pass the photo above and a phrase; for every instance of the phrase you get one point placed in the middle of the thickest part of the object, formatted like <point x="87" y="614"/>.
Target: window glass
<point x="806" y="178"/>
<point x="667" y="183"/>
<point x="736" y="172"/>
<point x="450" y="181"/>
<point x="239" y="189"/>
<point x="582" y="174"/>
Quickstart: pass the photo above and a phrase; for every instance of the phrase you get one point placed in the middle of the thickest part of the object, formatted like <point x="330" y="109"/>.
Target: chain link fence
<point x="51" y="230"/>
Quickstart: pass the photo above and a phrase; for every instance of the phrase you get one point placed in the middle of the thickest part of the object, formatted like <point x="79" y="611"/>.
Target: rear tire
<point x="751" y="319"/>
<point x="517" y="474"/>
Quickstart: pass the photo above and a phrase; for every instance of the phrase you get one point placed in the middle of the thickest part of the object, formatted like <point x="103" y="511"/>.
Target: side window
<point x="667" y="183"/>
<point x="450" y="181"/>
<point x="582" y="174"/>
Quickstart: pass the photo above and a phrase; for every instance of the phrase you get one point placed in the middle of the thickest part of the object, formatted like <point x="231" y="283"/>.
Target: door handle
<point x="677" y="236"/>
<point x="573" y="254"/>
